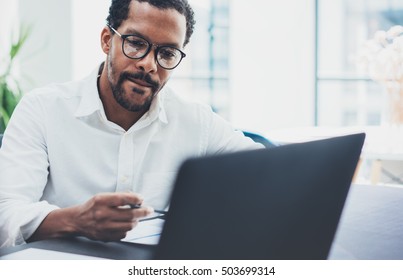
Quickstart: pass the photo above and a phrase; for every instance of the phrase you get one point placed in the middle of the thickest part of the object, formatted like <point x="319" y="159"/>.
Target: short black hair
<point x="119" y="11"/>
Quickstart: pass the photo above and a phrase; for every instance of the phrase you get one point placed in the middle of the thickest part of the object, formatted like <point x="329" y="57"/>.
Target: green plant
<point x="10" y="90"/>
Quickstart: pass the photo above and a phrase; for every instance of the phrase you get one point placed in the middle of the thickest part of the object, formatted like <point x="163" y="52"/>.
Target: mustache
<point x="139" y="76"/>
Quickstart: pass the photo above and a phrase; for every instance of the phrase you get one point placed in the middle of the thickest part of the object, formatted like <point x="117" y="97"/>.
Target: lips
<point x="140" y="82"/>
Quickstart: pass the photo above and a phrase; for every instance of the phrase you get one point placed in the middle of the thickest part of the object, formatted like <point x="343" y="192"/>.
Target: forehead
<point x="161" y="26"/>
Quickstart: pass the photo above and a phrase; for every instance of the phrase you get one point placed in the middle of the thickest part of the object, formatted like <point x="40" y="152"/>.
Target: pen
<point x="162" y="217"/>
<point x="136" y="206"/>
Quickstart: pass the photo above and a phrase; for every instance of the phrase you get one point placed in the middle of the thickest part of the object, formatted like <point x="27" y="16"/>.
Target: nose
<point x="148" y="63"/>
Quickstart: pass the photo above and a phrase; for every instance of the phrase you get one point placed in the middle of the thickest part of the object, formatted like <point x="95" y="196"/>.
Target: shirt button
<point x="123" y="179"/>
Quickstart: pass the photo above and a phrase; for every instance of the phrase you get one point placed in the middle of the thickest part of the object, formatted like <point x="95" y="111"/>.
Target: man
<point x="75" y="155"/>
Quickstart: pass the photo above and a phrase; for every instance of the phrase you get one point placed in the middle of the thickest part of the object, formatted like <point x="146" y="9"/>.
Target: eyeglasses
<point x="136" y="47"/>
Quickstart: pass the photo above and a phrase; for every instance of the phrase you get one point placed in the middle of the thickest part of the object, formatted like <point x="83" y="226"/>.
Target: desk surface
<point x="86" y="247"/>
<point x="371" y="227"/>
<point x="380" y="143"/>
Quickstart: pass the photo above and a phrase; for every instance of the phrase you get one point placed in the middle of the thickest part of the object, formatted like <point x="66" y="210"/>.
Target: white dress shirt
<point x="59" y="150"/>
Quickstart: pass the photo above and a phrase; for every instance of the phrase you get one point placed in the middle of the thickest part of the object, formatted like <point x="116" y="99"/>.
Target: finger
<point x="122" y="199"/>
<point x="142" y="212"/>
<point x="118" y="226"/>
<point x="131" y="214"/>
<point x="117" y="199"/>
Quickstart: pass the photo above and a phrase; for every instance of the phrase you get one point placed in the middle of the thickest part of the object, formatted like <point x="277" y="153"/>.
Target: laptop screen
<point x="278" y="203"/>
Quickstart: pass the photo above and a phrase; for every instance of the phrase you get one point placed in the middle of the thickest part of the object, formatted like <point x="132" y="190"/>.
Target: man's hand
<point x="104" y="217"/>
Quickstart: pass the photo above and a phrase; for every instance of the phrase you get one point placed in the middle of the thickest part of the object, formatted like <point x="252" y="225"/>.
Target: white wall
<point x="9" y="27"/>
<point x="272" y="64"/>
<point x="65" y="39"/>
<point x="46" y="57"/>
<point x="89" y="17"/>
<point x="9" y="33"/>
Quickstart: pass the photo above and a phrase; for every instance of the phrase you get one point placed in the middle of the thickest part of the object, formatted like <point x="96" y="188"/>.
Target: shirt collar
<point x="157" y="109"/>
<point x="91" y="103"/>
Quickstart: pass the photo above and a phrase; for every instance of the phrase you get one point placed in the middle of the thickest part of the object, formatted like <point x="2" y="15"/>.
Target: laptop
<point x="278" y="203"/>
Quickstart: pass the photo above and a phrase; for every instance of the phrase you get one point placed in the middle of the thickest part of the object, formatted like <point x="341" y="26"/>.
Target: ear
<point x="106" y="39"/>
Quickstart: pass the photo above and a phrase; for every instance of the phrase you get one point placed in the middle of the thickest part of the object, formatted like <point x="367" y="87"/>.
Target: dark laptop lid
<point x="278" y="203"/>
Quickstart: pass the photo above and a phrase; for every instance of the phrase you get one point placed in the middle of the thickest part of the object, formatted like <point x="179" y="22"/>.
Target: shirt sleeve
<point x="222" y="137"/>
<point x="23" y="173"/>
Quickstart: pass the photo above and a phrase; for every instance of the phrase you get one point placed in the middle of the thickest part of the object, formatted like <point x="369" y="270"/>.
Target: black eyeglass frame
<point x="150" y="46"/>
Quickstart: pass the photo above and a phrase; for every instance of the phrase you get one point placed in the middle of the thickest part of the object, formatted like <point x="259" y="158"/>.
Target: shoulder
<point x="58" y="90"/>
<point x="59" y="96"/>
<point x="192" y="114"/>
<point x="176" y="104"/>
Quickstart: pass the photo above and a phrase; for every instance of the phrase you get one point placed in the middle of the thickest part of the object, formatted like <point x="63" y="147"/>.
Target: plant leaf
<point x="10" y="100"/>
<point x="5" y="118"/>
<point x="10" y="91"/>
<point x="23" y="36"/>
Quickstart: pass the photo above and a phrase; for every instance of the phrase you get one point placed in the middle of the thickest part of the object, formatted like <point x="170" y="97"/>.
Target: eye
<point x="168" y="53"/>
<point x="136" y="43"/>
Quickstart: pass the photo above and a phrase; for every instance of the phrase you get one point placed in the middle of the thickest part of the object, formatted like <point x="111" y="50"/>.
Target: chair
<point x="259" y="139"/>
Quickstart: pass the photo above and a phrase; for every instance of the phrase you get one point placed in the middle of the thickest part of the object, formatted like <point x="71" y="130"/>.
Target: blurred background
<point x="263" y="65"/>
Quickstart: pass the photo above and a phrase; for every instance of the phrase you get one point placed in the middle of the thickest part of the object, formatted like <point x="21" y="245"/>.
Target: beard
<point x="122" y="97"/>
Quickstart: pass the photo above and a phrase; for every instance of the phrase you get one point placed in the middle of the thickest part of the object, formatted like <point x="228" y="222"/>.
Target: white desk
<point x="382" y="144"/>
<point x="371" y="226"/>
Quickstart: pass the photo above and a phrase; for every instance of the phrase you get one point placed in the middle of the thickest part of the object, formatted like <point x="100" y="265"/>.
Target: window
<point x="204" y="73"/>
<point x="342" y="96"/>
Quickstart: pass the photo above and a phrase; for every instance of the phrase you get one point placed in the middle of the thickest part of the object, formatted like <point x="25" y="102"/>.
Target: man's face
<point x="135" y="82"/>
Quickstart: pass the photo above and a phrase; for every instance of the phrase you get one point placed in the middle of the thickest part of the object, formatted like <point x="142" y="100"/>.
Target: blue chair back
<point x="259" y="139"/>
